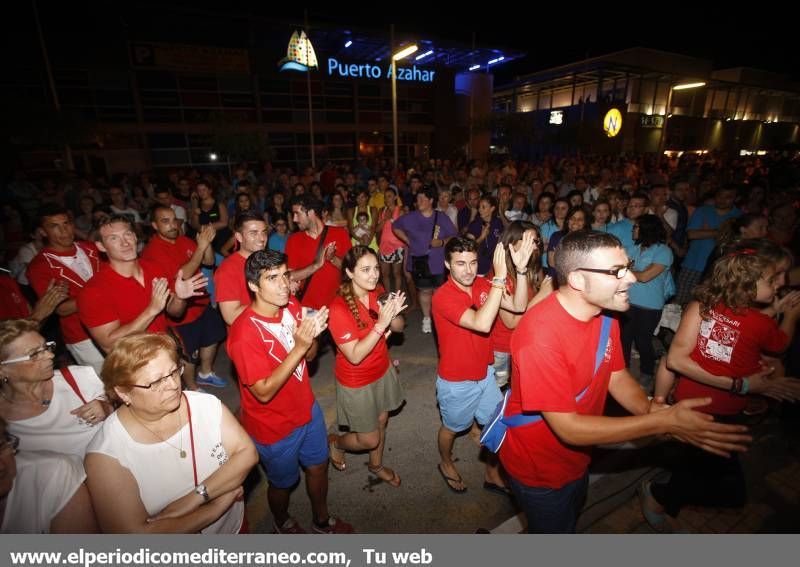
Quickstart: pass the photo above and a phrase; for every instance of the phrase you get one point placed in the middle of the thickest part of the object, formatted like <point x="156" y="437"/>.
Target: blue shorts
<point x="462" y="402"/>
<point x="306" y="446"/>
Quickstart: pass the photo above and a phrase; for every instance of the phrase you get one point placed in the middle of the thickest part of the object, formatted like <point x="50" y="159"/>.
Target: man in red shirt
<point x="559" y="371"/>
<point x="201" y="329"/>
<point x="317" y="268"/>
<point x="14" y="304"/>
<point x="269" y="344"/>
<point x="231" y="291"/>
<point x="463" y="310"/>
<point x="71" y="263"/>
<point x="130" y="295"/>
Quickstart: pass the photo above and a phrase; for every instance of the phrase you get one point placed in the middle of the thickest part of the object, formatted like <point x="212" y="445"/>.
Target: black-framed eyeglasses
<point x="49" y="346"/>
<point x="160" y="383"/>
<point x="619" y="272"/>
<point x="10" y="443"/>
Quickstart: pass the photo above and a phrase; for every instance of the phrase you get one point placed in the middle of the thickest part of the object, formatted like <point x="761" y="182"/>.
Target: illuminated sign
<point x="612" y="123"/>
<point x="300" y="54"/>
<point x="369" y="71"/>
<point x="557" y="117"/>
<point x="652" y="121"/>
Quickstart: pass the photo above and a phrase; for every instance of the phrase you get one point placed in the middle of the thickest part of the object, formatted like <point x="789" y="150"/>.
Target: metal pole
<point x="67" y="149"/>
<point x="663" y="139"/>
<point x="394" y="97"/>
<point x="310" y="106"/>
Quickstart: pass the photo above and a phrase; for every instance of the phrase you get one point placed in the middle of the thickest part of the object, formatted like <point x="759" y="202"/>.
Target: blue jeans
<point x="551" y="510"/>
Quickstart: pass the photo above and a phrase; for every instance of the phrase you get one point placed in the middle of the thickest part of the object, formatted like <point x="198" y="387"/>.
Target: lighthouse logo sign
<point x="300" y="54"/>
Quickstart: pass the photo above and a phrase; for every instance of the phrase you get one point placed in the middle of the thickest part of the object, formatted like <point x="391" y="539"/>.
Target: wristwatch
<point x="202" y="491"/>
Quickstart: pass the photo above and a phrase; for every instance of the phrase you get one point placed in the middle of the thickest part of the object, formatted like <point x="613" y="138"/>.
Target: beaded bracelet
<point x="376" y="331"/>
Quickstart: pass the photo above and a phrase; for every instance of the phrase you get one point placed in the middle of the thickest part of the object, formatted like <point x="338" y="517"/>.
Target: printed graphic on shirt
<point x="218" y="452"/>
<point x="283" y="332"/>
<point x="346" y="336"/>
<point x="717" y="340"/>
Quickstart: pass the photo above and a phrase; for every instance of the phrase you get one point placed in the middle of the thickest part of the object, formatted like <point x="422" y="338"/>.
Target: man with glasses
<point x="131" y="295"/>
<point x="269" y="344"/>
<point x="566" y="358"/>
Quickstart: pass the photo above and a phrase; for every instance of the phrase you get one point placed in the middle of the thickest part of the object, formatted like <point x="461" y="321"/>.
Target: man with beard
<point x="201" y="328"/>
<point x="566" y="358"/>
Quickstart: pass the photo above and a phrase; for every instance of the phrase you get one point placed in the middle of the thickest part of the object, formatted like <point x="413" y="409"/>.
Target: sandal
<point x="393" y="480"/>
<point x="338" y="465"/>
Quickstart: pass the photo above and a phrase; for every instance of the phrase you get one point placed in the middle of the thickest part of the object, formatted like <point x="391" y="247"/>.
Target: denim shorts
<point x="306" y="446"/>
<point x="462" y="402"/>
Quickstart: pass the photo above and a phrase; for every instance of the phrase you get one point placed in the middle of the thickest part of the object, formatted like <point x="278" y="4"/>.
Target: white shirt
<point x="79" y="263"/>
<point x="19" y="264"/>
<point x="161" y="474"/>
<point x="56" y="429"/>
<point x="44" y="484"/>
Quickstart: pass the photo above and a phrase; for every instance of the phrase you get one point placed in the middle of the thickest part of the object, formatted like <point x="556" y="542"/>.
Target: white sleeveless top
<point x="44" y="484"/>
<point x="56" y="429"/>
<point x="161" y="474"/>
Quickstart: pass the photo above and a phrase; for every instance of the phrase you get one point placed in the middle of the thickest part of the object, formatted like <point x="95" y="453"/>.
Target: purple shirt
<point x="419" y="229"/>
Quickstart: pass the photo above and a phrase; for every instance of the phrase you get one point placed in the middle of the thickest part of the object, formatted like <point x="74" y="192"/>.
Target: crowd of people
<point x="117" y="295"/>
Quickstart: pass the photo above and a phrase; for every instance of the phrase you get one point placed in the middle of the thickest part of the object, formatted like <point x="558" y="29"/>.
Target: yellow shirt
<point x="376" y="200"/>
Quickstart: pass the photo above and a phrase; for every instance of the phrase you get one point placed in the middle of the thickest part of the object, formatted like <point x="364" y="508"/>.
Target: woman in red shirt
<point x="717" y="354"/>
<point x="539" y="287"/>
<point x="367" y="386"/>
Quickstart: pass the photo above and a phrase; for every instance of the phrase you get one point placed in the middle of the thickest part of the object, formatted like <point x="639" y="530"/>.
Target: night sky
<point x="552" y="36"/>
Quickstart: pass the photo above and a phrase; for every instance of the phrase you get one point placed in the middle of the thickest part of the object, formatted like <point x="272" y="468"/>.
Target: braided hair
<point x="346" y="287"/>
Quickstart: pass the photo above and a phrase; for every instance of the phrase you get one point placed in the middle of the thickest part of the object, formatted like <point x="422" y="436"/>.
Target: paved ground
<point x="424" y="504"/>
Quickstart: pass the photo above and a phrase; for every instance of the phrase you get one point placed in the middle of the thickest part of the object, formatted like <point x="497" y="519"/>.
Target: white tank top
<point x="161" y="474"/>
<point x="56" y="429"/>
<point x="44" y="484"/>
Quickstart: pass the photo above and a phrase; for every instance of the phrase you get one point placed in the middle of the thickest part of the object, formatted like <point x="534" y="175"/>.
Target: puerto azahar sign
<point x="300" y="56"/>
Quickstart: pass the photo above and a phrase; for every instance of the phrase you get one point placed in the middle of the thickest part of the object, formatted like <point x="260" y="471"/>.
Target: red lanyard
<point x="191" y="437"/>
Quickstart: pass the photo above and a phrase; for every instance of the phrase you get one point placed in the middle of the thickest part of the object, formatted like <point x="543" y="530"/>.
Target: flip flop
<point x="338" y="465"/>
<point x="448" y="480"/>
<point x="394" y="481"/>
<point x="657" y="521"/>
<point x="496" y="488"/>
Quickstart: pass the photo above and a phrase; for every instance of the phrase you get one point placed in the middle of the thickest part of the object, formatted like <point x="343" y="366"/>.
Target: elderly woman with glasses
<point x="367" y="386"/>
<point x="167" y="461"/>
<point x="48" y="409"/>
<point x="42" y="491"/>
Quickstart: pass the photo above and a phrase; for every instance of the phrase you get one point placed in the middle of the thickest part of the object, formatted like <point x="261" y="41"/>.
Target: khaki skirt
<point x="358" y="408"/>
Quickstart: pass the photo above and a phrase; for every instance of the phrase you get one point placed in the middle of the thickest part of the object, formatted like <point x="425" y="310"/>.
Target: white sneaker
<point x="426" y="325"/>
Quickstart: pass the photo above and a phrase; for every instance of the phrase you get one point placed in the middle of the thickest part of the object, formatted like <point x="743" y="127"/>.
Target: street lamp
<point x="668" y="112"/>
<point x="405" y="52"/>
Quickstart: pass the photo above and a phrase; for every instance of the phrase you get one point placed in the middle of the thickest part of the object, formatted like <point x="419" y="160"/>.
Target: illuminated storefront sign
<point x="652" y="121"/>
<point x="369" y="71"/>
<point x="300" y="56"/>
<point x="612" y="122"/>
<point x="557" y="117"/>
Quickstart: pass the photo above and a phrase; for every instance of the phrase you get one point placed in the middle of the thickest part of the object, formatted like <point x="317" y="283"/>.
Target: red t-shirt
<point x="46" y="267"/>
<point x="171" y="256"/>
<point x="500" y="333"/>
<point x="13" y="304"/>
<point x="229" y="281"/>
<point x="463" y="354"/>
<point x="552" y="359"/>
<point x="109" y="297"/>
<point x="730" y="344"/>
<point x="344" y="329"/>
<point x="258" y="345"/>
<point x="301" y="250"/>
